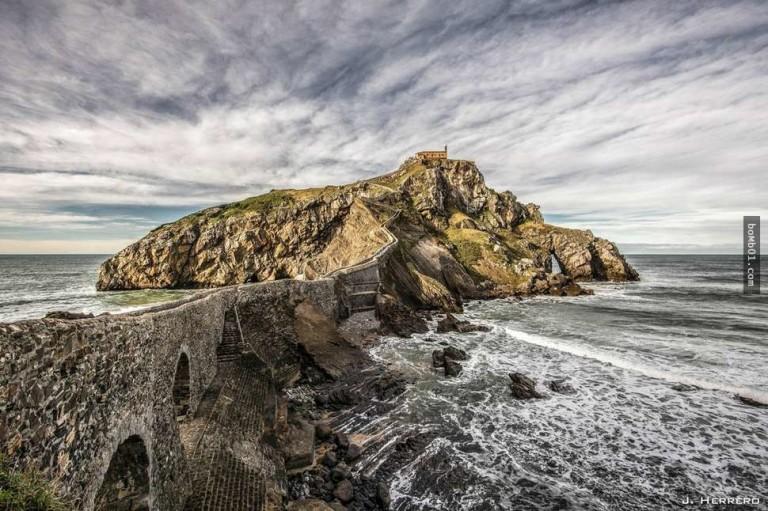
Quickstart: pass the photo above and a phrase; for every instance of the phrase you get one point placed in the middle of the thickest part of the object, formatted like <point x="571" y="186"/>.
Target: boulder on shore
<point x="297" y="444"/>
<point x="344" y="491"/>
<point x="397" y="318"/>
<point x="308" y="505"/>
<point x="323" y="431"/>
<point x="324" y="345"/>
<point x="68" y="315"/>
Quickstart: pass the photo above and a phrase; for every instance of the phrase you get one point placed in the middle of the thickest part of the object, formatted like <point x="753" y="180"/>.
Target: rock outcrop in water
<point x="457" y="239"/>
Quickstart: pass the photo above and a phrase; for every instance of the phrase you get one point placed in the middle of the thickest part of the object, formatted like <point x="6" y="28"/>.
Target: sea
<point x="33" y="285"/>
<point x="653" y="422"/>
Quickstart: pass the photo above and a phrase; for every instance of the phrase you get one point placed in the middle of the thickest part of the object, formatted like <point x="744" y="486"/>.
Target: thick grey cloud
<point x="641" y="120"/>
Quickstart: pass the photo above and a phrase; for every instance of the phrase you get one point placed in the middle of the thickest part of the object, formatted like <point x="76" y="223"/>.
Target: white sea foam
<point x="626" y="439"/>
<point x="625" y="363"/>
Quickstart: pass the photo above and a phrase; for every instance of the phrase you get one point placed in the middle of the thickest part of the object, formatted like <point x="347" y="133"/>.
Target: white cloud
<point x="641" y="120"/>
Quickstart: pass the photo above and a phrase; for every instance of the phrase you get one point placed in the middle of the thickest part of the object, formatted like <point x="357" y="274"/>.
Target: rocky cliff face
<point x="268" y="237"/>
<point x="457" y="239"/>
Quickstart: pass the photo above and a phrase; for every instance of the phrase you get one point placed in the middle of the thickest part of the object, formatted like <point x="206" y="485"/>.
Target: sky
<point x="643" y="121"/>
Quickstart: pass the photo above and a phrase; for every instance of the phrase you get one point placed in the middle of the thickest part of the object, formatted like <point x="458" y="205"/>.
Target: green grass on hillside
<point x="469" y="244"/>
<point x="26" y="491"/>
<point x="258" y="204"/>
<point x="395" y="179"/>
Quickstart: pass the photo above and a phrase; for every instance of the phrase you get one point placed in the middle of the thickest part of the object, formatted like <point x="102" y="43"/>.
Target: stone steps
<point x="231" y="347"/>
<point x="224" y="477"/>
<point x="363" y="309"/>
<point x="362" y="300"/>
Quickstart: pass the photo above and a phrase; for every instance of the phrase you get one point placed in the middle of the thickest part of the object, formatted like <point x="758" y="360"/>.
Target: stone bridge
<point x="163" y="408"/>
<point x="106" y="407"/>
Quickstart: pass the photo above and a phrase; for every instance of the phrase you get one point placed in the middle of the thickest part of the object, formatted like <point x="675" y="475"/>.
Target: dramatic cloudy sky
<point x="644" y="121"/>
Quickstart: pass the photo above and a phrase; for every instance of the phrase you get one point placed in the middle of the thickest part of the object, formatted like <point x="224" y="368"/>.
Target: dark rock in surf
<point x="387" y="386"/>
<point x="383" y="496"/>
<point x="353" y="452"/>
<point x="438" y="359"/>
<point x="338" y="397"/>
<point x="684" y="387"/>
<point x="452" y="368"/>
<point x="560" y="386"/>
<point x="523" y="387"/>
<point x="455" y="353"/>
<point x="556" y="284"/>
<point x="525" y="483"/>
<point x="751" y="402"/>
<point x="573" y="289"/>
<point x="451" y="324"/>
<point x="447" y="360"/>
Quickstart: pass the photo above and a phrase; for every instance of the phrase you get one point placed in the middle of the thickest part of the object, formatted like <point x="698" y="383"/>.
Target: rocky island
<point x="259" y="392"/>
<point x="457" y="238"/>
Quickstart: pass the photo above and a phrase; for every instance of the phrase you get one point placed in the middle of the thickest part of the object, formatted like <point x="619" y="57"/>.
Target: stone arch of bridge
<point x="127" y="481"/>
<point x="182" y="385"/>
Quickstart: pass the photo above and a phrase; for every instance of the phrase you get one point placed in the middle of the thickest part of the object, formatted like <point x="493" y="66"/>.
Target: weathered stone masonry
<point x="73" y="391"/>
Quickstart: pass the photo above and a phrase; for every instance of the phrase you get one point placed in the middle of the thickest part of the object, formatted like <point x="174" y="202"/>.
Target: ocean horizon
<point x="30" y="286"/>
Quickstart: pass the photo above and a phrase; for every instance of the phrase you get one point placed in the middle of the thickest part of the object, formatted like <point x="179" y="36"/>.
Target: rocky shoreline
<point x="336" y="407"/>
<point x="329" y="477"/>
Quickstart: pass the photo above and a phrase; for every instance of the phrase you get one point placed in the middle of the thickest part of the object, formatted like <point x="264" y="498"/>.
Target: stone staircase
<point x="362" y="288"/>
<point x="228" y="468"/>
<point x="231" y="341"/>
